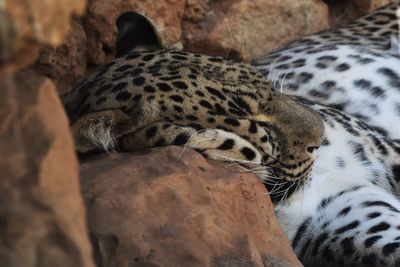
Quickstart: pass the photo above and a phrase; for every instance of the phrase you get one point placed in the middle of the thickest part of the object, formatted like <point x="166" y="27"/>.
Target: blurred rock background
<point x="45" y="47"/>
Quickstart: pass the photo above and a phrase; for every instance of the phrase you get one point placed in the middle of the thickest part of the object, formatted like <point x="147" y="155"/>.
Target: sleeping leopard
<point x="332" y="173"/>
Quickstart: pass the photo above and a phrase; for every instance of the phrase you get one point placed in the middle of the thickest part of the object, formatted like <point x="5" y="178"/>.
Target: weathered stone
<point x="27" y="24"/>
<point x="42" y="217"/>
<point x="102" y="14"/>
<point x="67" y="62"/>
<point x="342" y="12"/>
<point x="249" y="29"/>
<point x="162" y="207"/>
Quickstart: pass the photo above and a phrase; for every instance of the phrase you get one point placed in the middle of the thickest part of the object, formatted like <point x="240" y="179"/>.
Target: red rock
<point x="163" y="208"/>
<point x="249" y="29"/>
<point x="27" y="25"/>
<point x="342" y="12"/>
<point x="67" y="62"/>
<point x="102" y="14"/>
<point x="42" y="216"/>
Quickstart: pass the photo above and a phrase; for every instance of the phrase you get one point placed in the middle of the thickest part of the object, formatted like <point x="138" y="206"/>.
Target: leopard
<point x="152" y="96"/>
<point x="348" y="215"/>
<point x="333" y="176"/>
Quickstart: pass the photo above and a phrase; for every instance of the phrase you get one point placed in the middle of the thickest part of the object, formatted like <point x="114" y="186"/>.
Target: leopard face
<point x="225" y="110"/>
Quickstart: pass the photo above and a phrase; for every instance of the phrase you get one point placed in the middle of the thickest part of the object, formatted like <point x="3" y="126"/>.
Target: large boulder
<point x="42" y="216"/>
<point x="27" y="25"/>
<point x="171" y="207"/>
<point x="249" y="29"/>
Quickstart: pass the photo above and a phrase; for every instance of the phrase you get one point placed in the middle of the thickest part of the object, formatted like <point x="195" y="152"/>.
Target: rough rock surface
<point x="164" y="208"/>
<point x="28" y="24"/>
<point x="42" y="216"/>
<point x="249" y="29"/>
<point x="342" y="12"/>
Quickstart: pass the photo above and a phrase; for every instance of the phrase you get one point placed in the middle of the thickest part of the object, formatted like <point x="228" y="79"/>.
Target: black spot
<point x="149" y="89"/>
<point x="176" y="98"/>
<point x="304" y="77"/>
<point x="318" y="242"/>
<point x="151" y="132"/>
<point x="248" y="153"/>
<point x="264" y="139"/>
<point x="344" y="211"/>
<point x="211" y="120"/>
<point x="119" y="86"/>
<point x="177" y="57"/>
<point x="342" y="67"/>
<point x="300" y="232"/>
<point x="191" y="118"/>
<point x="373" y="215"/>
<point x="138" y="81"/>
<point x="362" y="83"/>
<point x="123" y="96"/>
<point x="164" y="87"/>
<point x="160" y="142"/>
<point x="390" y="248"/>
<point x="253" y="127"/>
<point x="369" y="260"/>
<point x="215" y="59"/>
<point x="241" y="103"/>
<point x="196" y="126"/>
<point x="123" y="68"/>
<point x="178" y="109"/>
<point x="396" y="172"/>
<point x="383" y="226"/>
<point x="380" y="203"/>
<point x="371" y="240"/>
<point x="215" y="92"/>
<point x="321" y="65"/>
<point x="147" y="57"/>
<point x="180" y="85"/>
<point x="347" y="227"/>
<point x="205" y="104"/>
<point x="227" y="144"/>
<point x="132" y="56"/>
<point x="200" y="93"/>
<point x="348" y="245"/>
<point x="232" y="122"/>
<point x="181" y="139"/>
<point x="136" y="98"/>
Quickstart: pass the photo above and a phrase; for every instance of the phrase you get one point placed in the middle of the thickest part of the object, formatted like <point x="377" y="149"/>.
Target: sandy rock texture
<point x="163" y="208"/>
<point x="246" y="30"/>
<point x="42" y="217"/>
<point x="342" y="12"/>
<point x="26" y="25"/>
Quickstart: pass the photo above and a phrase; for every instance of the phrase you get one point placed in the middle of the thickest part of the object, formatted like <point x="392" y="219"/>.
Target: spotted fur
<point x="348" y="214"/>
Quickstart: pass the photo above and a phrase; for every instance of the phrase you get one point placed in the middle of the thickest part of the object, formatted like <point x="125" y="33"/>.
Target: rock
<point x="102" y="14"/>
<point x="162" y="207"/>
<point x="249" y="29"/>
<point x="26" y="25"/>
<point x="67" y="62"/>
<point x="342" y="12"/>
<point x="42" y="216"/>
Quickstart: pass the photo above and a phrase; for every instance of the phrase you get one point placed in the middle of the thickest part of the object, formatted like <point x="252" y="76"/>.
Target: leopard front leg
<point x="213" y="143"/>
<point x="100" y="130"/>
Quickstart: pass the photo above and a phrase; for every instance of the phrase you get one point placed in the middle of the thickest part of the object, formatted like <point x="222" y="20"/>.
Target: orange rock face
<point x="342" y="12"/>
<point x="27" y="25"/>
<point x="250" y="29"/>
<point x="42" y="217"/>
<point x="164" y="208"/>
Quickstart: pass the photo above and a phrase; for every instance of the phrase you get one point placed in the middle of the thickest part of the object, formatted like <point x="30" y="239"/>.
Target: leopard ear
<point x="135" y="32"/>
